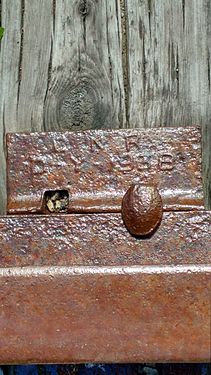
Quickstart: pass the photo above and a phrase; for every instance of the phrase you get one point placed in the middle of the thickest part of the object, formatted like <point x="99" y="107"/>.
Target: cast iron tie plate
<point x="96" y="168"/>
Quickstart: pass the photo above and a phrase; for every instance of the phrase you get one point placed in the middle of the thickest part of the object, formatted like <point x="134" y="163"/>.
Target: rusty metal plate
<point x="96" y="168"/>
<point x="105" y="314"/>
<point x="80" y="288"/>
<point x="102" y="239"/>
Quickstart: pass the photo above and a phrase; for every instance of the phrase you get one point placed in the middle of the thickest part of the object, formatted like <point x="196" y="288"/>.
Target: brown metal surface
<point x="80" y="287"/>
<point x="102" y="239"/>
<point x="129" y="314"/>
<point x="96" y="168"/>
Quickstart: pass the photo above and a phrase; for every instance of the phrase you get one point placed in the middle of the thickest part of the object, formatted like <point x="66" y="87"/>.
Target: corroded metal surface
<point x="96" y="168"/>
<point x="102" y="239"/>
<point x="105" y="314"/>
<point x="80" y="287"/>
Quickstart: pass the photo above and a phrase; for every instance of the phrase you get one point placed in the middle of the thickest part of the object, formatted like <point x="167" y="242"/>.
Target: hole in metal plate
<point x="56" y="201"/>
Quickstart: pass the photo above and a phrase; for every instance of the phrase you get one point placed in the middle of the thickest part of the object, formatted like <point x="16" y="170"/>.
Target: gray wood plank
<point x="60" y="68"/>
<point x="25" y="51"/>
<point x="85" y="78"/>
<point x="9" y="61"/>
<point x="168" y="48"/>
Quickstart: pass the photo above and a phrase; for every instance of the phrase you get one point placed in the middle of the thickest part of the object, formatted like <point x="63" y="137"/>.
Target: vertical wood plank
<point x="60" y="68"/>
<point x="85" y="76"/>
<point x="25" y="51"/>
<point x="10" y="47"/>
<point x="169" y="78"/>
<point x="33" y="65"/>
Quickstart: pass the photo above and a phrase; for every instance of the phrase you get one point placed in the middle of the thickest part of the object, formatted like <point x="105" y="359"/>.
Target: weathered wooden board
<point x="25" y="50"/>
<point x="86" y="64"/>
<point x="168" y="71"/>
<point x="96" y="64"/>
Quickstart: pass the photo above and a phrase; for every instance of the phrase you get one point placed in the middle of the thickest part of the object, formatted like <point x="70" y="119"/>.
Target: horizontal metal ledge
<point x="95" y="270"/>
<point x="109" y="202"/>
<point x="105" y="314"/>
<point x="87" y="270"/>
<point x="102" y="240"/>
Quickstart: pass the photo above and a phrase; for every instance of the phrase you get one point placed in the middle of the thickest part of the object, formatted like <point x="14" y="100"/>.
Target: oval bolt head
<point x="142" y="209"/>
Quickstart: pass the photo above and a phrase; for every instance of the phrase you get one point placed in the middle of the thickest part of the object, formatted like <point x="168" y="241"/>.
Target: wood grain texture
<point x="168" y="49"/>
<point x="25" y="50"/>
<point x="9" y="61"/>
<point x="60" y="68"/>
<point x="80" y="64"/>
<point x="85" y="77"/>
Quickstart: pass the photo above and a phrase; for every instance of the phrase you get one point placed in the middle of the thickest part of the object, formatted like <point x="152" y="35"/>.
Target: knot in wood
<point x="76" y="107"/>
<point x="84" y="8"/>
<point x="142" y="209"/>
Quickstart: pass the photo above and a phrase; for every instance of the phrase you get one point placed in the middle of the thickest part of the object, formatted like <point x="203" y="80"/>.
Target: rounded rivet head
<point x="142" y="209"/>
